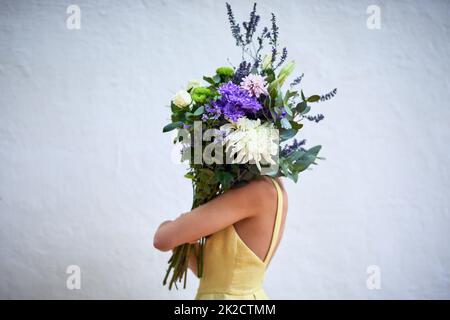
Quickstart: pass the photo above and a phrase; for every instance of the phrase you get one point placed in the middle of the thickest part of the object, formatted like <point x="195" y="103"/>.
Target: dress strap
<point x="276" y="228"/>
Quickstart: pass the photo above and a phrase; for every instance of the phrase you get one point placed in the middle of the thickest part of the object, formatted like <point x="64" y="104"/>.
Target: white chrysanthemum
<point x="251" y="141"/>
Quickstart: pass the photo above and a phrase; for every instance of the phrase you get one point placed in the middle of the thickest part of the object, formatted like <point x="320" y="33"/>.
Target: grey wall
<point x="85" y="175"/>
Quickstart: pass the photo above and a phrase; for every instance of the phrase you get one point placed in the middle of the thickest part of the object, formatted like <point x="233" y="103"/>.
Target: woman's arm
<point x="215" y="215"/>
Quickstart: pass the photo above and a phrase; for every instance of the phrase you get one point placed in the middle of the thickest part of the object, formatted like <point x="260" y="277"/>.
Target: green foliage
<point x="200" y="95"/>
<point x="298" y="161"/>
<point x="225" y="71"/>
<point x="314" y="98"/>
<point x="172" y="126"/>
<point x="285" y="72"/>
<point x="224" y="178"/>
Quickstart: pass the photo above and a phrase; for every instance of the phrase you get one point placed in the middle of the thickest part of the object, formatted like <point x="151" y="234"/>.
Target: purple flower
<point x="282" y="114"/>
<point x="234" y="102"/>
<point x="213" y="110"/>
<point x="316" y="118"/>
<point x="295" y="145"/>
<point x="255" y="85"/>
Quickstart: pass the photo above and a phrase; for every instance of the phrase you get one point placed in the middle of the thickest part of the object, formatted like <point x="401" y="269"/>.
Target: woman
<point x="244" y="226"/>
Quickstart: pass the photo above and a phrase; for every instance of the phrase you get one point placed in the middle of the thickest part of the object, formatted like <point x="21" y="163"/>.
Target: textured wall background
<point x="84" y="172"/>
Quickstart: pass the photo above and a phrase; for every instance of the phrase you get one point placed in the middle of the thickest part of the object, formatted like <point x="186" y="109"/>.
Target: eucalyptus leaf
<point x="285" y="124"/>
<point x="200" y="110"/>
<point x="216" y="79"/>
<point x="296" y="125"/>
<point x="300" y="107"/>
<point x="172" y="126"/>
<point x="314" y="98"/>
<point x="308" y="108"/>
<point x="286" y="134"/>
<point x="189" y="115"/>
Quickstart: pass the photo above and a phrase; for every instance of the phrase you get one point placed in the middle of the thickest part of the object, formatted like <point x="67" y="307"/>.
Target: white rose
<point x="182" y="99"/>
<point x="193" y="84"/>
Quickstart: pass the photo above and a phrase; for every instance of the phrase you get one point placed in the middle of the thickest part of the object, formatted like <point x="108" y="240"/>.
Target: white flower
<point x="193" y="84"/>
<point x="251" y="141"/>
<point x="182" y="99"/>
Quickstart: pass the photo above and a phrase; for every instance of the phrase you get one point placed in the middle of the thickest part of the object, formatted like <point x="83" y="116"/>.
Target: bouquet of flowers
<point x="238" y="124"/>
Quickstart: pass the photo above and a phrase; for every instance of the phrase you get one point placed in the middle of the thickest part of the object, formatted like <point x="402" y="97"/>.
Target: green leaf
<point x="294" y="176"/>
<point x="273" y="89"/>
<point x="189" y="115"/>
<point x="174" y="108"/>
<point x="288" y="110"/>
<point x="306" y="159"/>
<point x="314" y="150"/>
<point x="296" y="125"/>
<point x="216" y="79"/>
<point x="279" y="99"/>
<point x="295" y="155"/>
<point x="172" y="126"/>
<point x="224" y="178"/>
<point x="199" y="111"/>
<point x="300" y="107"/>
<point x="284" y="168"/>
<point x="270" y="75"/>
<point x="285" y="72"/>
<point x="314" y="98"/>
<point x="303" y="96"/>
<point x="286" y="134"/>
<point x="306" y="110"/>
<point x="272" y="113"/>
<point x="209" y="80"/>
<point x="285" y="124"/>
<point x="189" y="175"/>
<point x="289" y="94"/>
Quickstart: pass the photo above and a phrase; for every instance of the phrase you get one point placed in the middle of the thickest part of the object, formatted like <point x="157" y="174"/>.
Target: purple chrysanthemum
<point x="234" y="102"/>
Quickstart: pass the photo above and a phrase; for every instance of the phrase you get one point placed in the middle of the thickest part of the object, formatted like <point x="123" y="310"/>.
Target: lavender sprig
<point x="329" y="95"/>
<point x="297" y="80"/>
<point x="283" y="58"/>
<point x="241" y="72"/>
<point x="295" y="145"/>
<point x="273" y="39"/>
<point x="235" y="28"/>
<point x="317" y="118"/>
<point x="250" y="26"/>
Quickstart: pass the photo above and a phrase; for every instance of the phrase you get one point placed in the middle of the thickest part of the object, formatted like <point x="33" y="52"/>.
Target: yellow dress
<point x="231" y="270"/>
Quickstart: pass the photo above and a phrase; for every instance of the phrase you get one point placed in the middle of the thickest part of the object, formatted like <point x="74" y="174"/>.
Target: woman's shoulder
<point x="259" y="192"/>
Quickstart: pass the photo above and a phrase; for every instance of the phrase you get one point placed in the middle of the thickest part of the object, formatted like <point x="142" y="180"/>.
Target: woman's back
<point x="236" y="257"/>
<point x="257" y="231"/>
